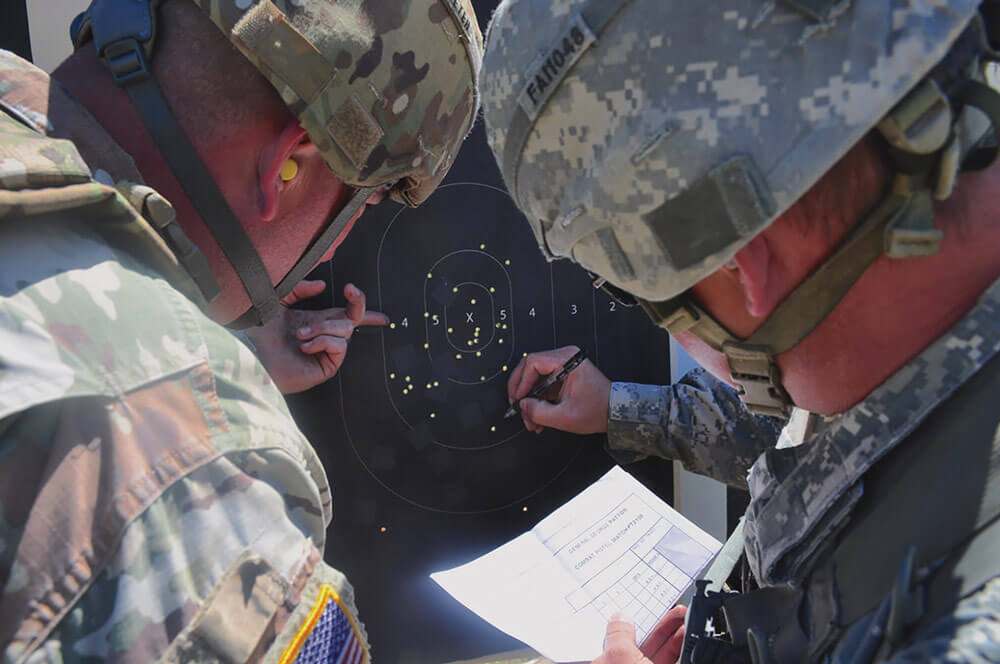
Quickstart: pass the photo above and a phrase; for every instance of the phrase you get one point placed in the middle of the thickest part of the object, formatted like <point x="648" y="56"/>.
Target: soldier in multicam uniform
<point x="784" y="187"/>
<point x="157" y="502"/>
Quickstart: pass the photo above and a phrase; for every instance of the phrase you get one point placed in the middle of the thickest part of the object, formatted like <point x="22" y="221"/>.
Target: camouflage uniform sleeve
<point x="970" y="633"/>
<point x="180" y="546"/>
<point x="699" y="421"/>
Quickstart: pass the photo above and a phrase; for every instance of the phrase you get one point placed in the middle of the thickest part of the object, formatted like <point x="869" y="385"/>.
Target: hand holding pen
<point x="546" y="383"/>
<point x="577" y="403"/>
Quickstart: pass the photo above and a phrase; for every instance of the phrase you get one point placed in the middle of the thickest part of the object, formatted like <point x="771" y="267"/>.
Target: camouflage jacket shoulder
<point x="55" y="156"/>
<point x="801" y="495"/>
<point x="158" y="502"/>
<point x="699" y="421"/>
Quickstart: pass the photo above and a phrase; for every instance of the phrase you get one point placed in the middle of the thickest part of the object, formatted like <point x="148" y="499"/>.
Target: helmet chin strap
<point x="751" y="360"/>
<point x="924" y="156"/>
<point x="124" y="32"/>
<point x="312" y="254"/>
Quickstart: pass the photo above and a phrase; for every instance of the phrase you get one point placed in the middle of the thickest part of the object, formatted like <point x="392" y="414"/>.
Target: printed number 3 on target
<point x="614" y="547"/>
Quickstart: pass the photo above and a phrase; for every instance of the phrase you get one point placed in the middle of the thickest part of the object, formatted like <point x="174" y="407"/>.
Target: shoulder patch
<point x="328" y="634"/>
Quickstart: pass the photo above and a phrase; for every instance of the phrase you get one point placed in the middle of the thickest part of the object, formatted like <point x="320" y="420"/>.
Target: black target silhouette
<point x="466" y="306"/>
<point x="426" y="473"/>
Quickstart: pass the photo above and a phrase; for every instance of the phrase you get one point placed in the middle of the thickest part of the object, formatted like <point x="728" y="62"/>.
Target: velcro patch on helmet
<point x="355" y="131"/>
<point x="283" y="51"/>
<point x="547" y="71"/>
<point x="730" y="202"/>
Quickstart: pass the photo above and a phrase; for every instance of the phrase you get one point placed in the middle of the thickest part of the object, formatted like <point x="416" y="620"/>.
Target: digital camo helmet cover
<point x="386" y="89"/>
<point x="650" y="140"/>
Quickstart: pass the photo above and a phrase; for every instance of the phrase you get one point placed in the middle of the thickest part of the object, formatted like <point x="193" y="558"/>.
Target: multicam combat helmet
<point x="386" y="89"/>
<point x="649" y="140"/>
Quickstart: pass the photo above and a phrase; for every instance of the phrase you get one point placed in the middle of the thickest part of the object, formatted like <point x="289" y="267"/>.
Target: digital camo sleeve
<point x="699" y="421"/>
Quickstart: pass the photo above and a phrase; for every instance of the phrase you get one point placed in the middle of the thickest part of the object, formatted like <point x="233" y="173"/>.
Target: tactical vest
<point x="925" y="534"/>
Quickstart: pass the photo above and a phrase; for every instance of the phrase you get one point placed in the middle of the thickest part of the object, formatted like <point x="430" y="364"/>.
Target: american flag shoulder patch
<point x="327" y="636"/>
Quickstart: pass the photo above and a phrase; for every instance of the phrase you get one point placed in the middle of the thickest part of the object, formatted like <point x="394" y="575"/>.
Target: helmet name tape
<point x="547" y="72"/>
<point x="594" y="17"/>
<point x="470" y="28"/>
<point x="461" y="16"/>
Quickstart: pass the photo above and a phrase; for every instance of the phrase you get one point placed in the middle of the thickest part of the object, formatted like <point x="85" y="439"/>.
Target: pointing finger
<point x="373" y="318"/>
<point x="355" y="308"/>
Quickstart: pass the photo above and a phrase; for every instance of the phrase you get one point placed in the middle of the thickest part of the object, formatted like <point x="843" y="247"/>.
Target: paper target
<point x="426" y="473"/>
<point x="468" y="298"/>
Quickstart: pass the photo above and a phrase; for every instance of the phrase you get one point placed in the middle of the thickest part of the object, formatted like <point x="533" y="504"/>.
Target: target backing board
<point x="426" y="472"/>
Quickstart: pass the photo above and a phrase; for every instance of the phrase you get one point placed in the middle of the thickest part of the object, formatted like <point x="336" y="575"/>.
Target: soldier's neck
<point x="899" y="307"/>
<point x="88" y="81"/>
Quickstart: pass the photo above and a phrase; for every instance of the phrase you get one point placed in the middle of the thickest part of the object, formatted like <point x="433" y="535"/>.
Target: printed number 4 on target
<point x="614" y="547"/>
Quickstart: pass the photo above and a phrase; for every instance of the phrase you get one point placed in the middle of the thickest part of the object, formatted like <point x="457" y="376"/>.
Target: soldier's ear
<point x="273" y="156"/>
<point x="759" y="288"/>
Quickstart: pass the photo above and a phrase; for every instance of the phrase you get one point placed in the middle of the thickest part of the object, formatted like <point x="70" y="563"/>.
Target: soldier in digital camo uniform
<point x="803" y="193"/>
<point x="157" y="502"/>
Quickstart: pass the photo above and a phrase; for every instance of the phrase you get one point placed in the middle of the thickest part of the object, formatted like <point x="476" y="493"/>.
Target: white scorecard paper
<point x="614" y="547"/>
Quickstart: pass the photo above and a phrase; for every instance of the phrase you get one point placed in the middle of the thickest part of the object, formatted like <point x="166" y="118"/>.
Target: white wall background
<point x="48" y="24"/>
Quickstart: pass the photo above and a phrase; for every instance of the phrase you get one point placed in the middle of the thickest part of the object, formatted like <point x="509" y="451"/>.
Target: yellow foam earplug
<point x="289" y="170"/>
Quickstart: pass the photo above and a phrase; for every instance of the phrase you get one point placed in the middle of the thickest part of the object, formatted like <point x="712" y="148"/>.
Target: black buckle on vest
<point x="704" y="625"/>
<point x="759" y="627"/>
<point x="126" y="62"/>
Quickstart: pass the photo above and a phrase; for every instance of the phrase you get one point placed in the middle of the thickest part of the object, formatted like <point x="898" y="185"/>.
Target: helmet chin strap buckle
<point x="751" y="365"/>
<point x="753" y="368"/>
<point x="913" y="234"/>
